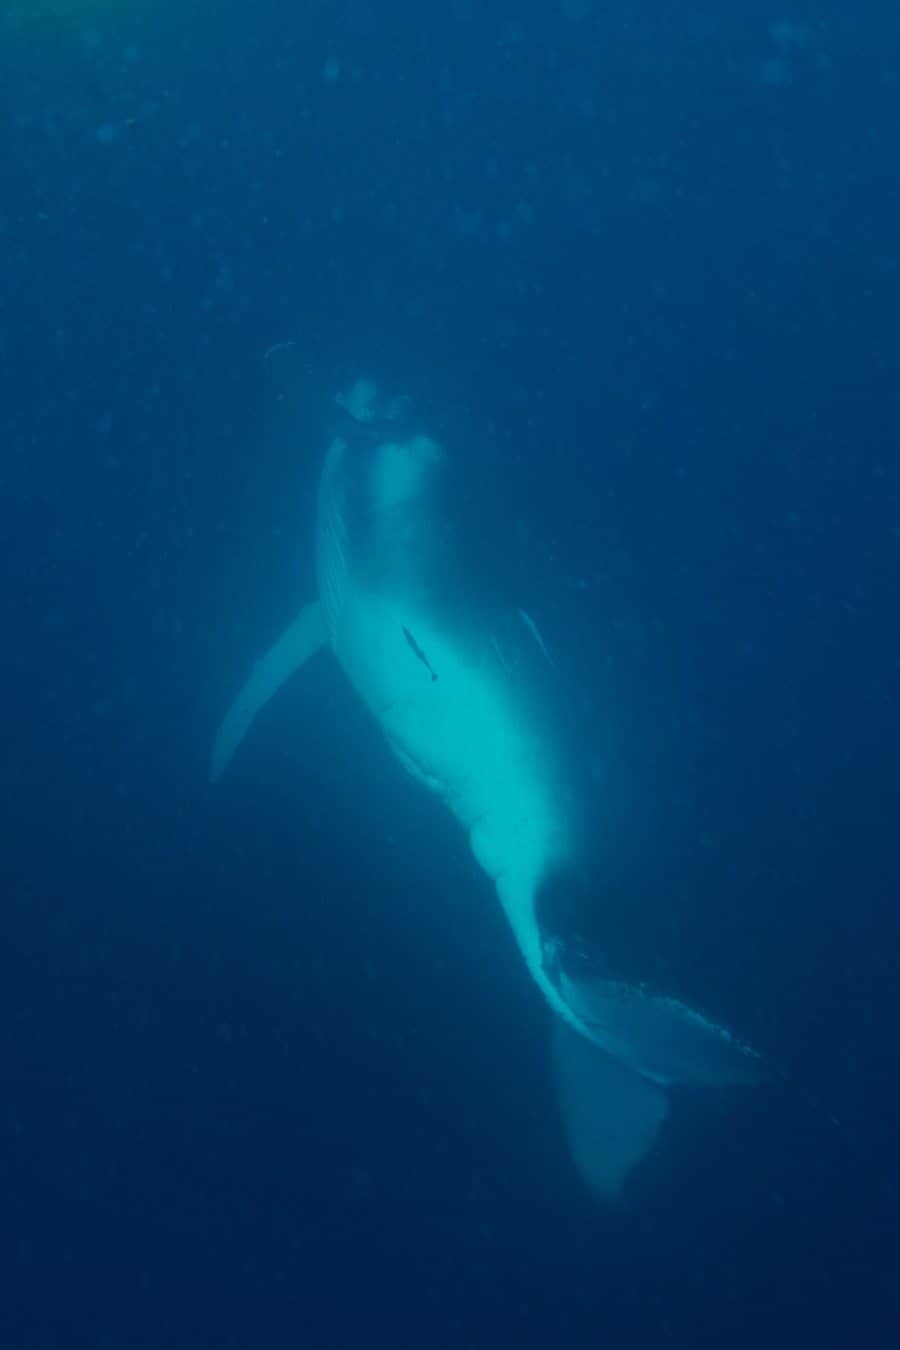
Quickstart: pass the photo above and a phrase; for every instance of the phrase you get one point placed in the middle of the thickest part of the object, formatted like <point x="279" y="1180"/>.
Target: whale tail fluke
<point x="611" y="1116"/>
<point x="612" y="1078"/>
<point x="293" y="649"/>
<point x="658" y="1036"/>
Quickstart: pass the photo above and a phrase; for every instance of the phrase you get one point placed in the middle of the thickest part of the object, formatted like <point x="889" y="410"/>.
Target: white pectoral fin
<point x="296" y="645"/>
<point x="611" y="1115"/>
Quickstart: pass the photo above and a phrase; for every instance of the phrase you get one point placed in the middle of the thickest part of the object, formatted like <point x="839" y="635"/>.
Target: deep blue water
<point x="272" y="1073"/>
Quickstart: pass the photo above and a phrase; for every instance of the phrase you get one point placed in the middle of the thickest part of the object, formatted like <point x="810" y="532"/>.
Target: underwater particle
<point x="331" y="71"/>
<point x="776" y="71"/>
<point x="467" y="223"/>
<point x="109" y="132"/>
<point x="788" y="38"/>
<point x="224" y="282"/>
<point x="786" y="34"/>
<point x="512" y="34"/>
<point x="578" y="92"/>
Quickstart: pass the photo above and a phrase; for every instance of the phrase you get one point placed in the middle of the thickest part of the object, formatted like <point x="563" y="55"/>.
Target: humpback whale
<point x="464" y="697"/>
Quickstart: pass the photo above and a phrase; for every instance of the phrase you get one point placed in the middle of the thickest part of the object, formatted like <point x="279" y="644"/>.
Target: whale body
<point x="458" y="690"/>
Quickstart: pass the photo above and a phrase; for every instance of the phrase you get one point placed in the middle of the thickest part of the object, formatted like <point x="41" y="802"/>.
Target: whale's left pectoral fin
<point x="611" y="1116"/>
<point x="295" y="646"/>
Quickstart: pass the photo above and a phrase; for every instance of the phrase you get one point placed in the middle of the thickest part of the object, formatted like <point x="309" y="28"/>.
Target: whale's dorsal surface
<point x="459" y="697"/>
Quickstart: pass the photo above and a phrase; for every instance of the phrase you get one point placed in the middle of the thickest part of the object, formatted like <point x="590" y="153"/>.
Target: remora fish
<point x="414" y="646"/>
<point x="478" y="739"/>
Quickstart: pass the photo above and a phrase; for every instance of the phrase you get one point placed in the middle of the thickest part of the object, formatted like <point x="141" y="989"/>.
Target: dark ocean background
<point x="272" y="1072"/>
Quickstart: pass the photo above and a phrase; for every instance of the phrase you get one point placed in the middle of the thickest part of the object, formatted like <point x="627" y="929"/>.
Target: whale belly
<point x="449" y="706"/>
<point x="455" y="722"/>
